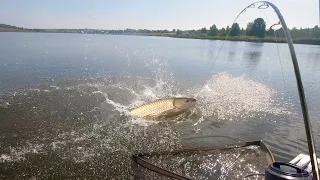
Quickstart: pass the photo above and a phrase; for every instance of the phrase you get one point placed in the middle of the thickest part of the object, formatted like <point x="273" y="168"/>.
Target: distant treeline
<point x="257" y="28"/>
<point x="255" y="31"/>
<point x="9" y="28"/>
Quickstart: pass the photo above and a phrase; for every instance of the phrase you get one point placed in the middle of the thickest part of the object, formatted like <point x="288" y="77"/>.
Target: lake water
<point x="64" y="100"/>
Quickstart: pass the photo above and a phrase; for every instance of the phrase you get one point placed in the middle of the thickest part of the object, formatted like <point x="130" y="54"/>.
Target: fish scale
<point x="163" y="108"/>
<point x="153" y="108"/>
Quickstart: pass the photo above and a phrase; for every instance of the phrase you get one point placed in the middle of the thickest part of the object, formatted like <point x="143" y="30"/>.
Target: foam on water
<point x="228" y="164"/>
<point x="237" y="98"/>
<point x="19" y="153"/>
<point x="232" y="98"/>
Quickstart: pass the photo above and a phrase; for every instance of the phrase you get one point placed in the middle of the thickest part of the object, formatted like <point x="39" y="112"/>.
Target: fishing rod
<point x="304" y="108"/>
<point x="311" y="145"/>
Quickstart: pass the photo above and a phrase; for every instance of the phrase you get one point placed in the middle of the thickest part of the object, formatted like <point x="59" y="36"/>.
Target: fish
<point x="162" y="109"/>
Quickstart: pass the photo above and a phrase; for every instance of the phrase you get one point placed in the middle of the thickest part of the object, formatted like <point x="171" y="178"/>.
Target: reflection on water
<point x="231" y="57"/>
<point x="252" y="55"/>
<point x="252" y="59"/>
<point x="313" y="62"/>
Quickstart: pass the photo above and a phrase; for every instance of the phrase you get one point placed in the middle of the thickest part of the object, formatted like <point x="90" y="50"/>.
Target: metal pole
<point x="312" y="151"/>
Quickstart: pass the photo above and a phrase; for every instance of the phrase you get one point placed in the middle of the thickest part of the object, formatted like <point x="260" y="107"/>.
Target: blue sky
<point x="149" y="14"/>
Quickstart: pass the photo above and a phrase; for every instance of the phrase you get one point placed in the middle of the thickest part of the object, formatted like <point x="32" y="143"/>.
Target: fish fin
<point x="169" y="114"/>
<point x="149" y="117"/>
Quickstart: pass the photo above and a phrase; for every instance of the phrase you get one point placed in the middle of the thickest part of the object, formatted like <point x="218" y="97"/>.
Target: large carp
<point x="163" y="108"/>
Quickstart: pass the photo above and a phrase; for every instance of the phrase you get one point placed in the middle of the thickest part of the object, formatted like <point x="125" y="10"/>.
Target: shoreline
<point x="307" y="41"/>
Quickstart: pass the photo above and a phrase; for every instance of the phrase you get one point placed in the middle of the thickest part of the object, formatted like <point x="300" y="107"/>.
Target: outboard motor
<point x="286" y="171"/>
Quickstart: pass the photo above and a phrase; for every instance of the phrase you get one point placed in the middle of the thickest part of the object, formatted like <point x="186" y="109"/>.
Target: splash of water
<point x="237" y="98"/>
<point x="114" y="131"/>
<point x="19" y="153"/>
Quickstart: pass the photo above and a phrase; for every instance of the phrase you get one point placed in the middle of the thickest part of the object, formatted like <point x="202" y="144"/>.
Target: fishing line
<point x="275" y="36"/>
<point x="215" y="59"/>
<point x="262" y="6"/>
<point x="281" y="67"/>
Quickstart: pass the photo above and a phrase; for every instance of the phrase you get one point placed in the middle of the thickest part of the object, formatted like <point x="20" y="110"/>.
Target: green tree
<point x="294" y="32"/>
<point x="248" y="29"/>
<point x="315" y="32"/>
<point x="193" y="31"/>
<point x="279" y="33"/>
<point x="271" y="32"/>
<point x="242" y="32"/>
<point x="258" y="28"/>
<point x="222" y="32"/>
<point x="235" y="29"/>
<point x="204" y="31"/>
<point x="213" y="31"/>
<point x="178" y="32"/>
<point x="227" y="29"/>
<point x="174" y="30"/>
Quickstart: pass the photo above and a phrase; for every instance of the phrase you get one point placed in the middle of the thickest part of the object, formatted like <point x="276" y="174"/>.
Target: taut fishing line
<point x="275" y="36"/>
<point x="207" y="77"/>
<point x="215" y="59"/>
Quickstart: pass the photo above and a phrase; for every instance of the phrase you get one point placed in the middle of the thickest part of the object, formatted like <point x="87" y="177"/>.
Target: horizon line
<point x="144" y="28"/>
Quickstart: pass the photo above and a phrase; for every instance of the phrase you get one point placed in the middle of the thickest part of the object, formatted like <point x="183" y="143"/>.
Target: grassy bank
<point x="312" y="41"/>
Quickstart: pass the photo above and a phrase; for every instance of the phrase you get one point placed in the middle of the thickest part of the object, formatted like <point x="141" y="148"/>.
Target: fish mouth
<point x="192" y="100"/>
<point x="188" y="103"/>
